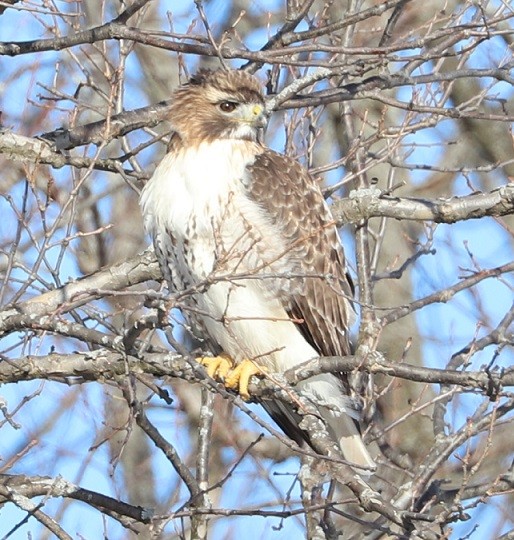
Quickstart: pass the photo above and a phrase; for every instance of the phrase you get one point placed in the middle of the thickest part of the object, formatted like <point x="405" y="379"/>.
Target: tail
<point x="337" y="411"/>
<point x="350" y="442"/>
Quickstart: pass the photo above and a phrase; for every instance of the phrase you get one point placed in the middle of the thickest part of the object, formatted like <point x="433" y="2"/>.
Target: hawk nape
<point x="253" y="228"/>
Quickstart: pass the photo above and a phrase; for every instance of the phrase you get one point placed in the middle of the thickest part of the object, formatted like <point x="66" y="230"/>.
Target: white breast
<point x="198" y="196"/>
<point x="189" y="183"/>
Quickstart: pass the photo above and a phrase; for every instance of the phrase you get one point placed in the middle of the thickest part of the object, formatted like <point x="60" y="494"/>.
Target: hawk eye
<point x="228" y="106"/>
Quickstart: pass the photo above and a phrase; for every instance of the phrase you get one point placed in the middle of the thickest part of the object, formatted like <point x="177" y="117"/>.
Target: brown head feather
<point x="195" y="114"/>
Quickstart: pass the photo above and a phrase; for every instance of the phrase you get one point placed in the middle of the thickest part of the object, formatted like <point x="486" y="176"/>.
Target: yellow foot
<point x="217" y="366"/>
<point x="239" y="377"/>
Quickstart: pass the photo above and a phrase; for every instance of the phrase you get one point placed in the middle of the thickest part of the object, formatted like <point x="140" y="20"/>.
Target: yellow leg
<point x="218" y="367"/>
<point x="239" y="377"/>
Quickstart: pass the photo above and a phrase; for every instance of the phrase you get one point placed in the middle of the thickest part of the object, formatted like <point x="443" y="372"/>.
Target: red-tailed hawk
<point x="246" y="233"/>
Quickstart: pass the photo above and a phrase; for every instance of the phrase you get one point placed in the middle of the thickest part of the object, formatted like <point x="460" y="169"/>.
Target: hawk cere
<point x="247" y="233"/>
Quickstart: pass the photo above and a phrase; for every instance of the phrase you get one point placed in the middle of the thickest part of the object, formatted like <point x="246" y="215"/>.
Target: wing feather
<point x="321" y="299"/>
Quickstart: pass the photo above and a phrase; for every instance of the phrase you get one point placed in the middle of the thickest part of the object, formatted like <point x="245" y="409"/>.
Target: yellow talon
<point x="222" y="368"/>
<point x="239" y="377"/>
<point x="218" y="367"/>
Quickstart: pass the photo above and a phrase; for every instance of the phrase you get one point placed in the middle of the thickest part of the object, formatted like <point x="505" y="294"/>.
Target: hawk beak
<point x="259" y="117"/>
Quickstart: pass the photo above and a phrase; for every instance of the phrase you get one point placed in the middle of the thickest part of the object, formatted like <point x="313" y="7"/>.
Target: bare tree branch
<point x="102" y="364"/>
<point x="77" y="293"/>
<point x="371" y="97"/>
<point x="365" y="204"/>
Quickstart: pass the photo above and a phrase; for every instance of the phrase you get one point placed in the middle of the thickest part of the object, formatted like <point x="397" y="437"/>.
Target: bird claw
<point x="239" y="378"/>
<point x="221" y="368"/>
<point x="218" y="367"/>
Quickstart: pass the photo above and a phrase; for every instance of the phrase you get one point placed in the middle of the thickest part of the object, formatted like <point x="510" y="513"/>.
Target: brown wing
<point x="294" y="202"/>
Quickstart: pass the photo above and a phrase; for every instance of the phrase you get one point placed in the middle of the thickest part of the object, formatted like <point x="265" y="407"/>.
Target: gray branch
<point x="38" y="150"/>
<point x="104" y="364"/>
<point x="369" y="203"/>
<point x="26" y="487"/>
<point x="138" y="269"/>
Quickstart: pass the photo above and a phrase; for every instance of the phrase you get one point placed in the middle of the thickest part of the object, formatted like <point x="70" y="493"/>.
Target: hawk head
<point x="218" y="105"/>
